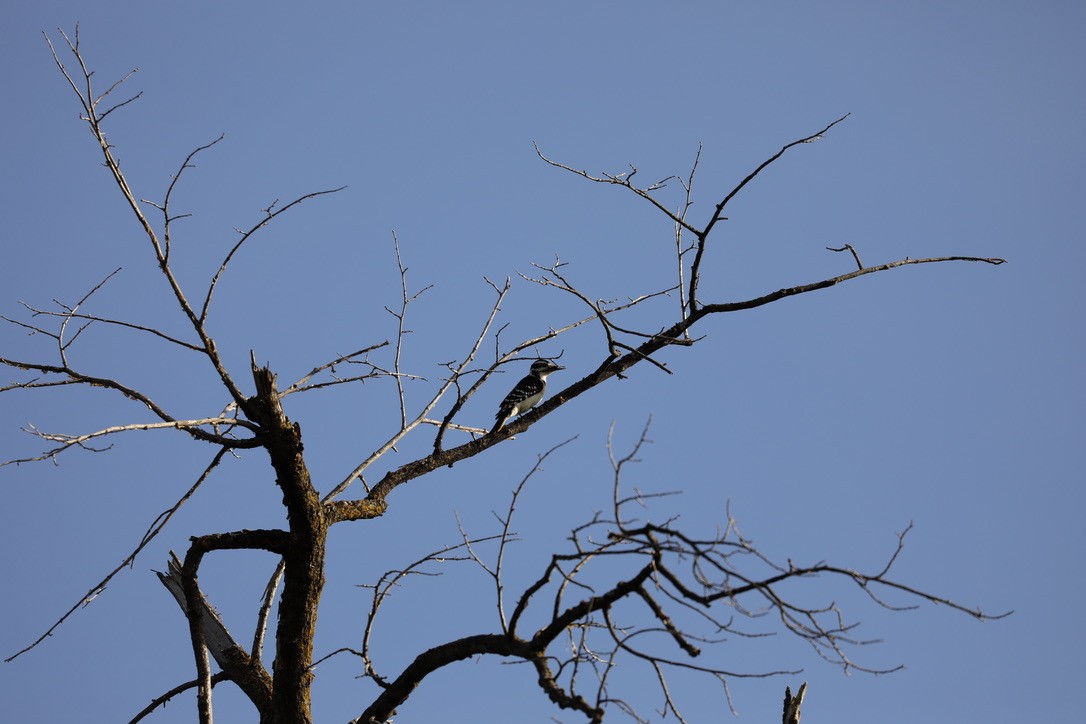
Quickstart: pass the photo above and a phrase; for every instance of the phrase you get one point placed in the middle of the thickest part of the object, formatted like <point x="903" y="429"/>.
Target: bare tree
<point x="625" y="589"/>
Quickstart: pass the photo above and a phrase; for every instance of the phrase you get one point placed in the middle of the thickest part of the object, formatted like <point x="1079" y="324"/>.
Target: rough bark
<point x="303" y="580"/>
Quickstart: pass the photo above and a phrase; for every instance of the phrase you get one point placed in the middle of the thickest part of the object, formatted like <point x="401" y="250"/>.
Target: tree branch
<point x="179" y="689"/>
<point x="191" y="426"/>
<point x="269" y="215"/>
<point x="153" y="530"/>
<point x="94" y="120"/>
<point x="206" y="629"/>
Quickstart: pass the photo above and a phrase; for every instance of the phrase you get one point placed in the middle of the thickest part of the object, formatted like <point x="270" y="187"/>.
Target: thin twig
<point x="179" y="689"/>
<point x="153" y="530"/>
<point x="624" y="181"/>
<point x="401" y="331"/>
<point x="269" y="215"/>
<point x="69" y="441"/>
<point x="506" y="533"/>
<point x="87" y="100"/>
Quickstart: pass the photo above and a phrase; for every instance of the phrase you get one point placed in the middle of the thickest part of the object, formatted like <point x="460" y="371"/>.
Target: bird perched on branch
<point x="527" y="394"/>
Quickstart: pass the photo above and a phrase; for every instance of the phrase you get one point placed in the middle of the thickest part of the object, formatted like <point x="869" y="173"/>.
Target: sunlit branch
<point x="457" y="373"/>
<point x="206" y="629"/>
<point x="623" y="180"/>
<point x="101" y="320"/>
<point x="167" y="217"/>
<point x="302" y="384"/>
<point x="269" y="215"/>
<point x="94" y="121"/>
<point x="62" y="345"/>
<point x="401" y="331"/>
<point x="391" y="442"/>
<point x="69" y="441"/>
<point x="265" y="611"/>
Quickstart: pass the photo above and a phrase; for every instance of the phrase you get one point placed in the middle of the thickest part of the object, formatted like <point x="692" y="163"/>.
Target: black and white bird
<point x="527" y="394"/>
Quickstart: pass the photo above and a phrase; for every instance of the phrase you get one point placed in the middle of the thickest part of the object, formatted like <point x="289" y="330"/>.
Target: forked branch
<point x="580" y="602"/>
<point x="85" y="93"/>
<point x="673" y="575"/>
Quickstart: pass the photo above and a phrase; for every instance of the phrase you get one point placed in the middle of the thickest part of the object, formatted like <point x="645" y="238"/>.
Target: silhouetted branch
<point x="624" y="589"/>
<point x="179" y="689"/>
<point x="599" y="312"/>
<point x="382" y="590"/>
<point x="153" y="530"/>
<point x="665" y="566"/>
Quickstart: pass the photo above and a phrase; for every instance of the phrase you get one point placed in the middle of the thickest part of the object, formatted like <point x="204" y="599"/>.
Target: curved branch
<point x="206" y="629"/>
<point x="268" y="216"/>
<point x="433" y="659"/>
<point x="557" y="695"/>
<point x="850" y="248"/>
<point x="507" y="535"/>
<point x="391" y="579"/>
<point x="247" y="672"/>
<point x="133" y="394"/>
<point x="179" y="689"/>
<point x="721" y="570"/>
<point x="565" y="286"/>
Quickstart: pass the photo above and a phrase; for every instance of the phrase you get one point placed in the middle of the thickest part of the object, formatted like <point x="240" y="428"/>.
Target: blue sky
<point x="946" y="396"/>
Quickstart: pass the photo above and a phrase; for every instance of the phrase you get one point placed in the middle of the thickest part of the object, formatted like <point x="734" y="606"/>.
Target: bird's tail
<point x="501" y="417"/>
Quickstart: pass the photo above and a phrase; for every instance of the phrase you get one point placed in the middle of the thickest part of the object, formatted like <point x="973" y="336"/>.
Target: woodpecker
<point x="527" y="394"/>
